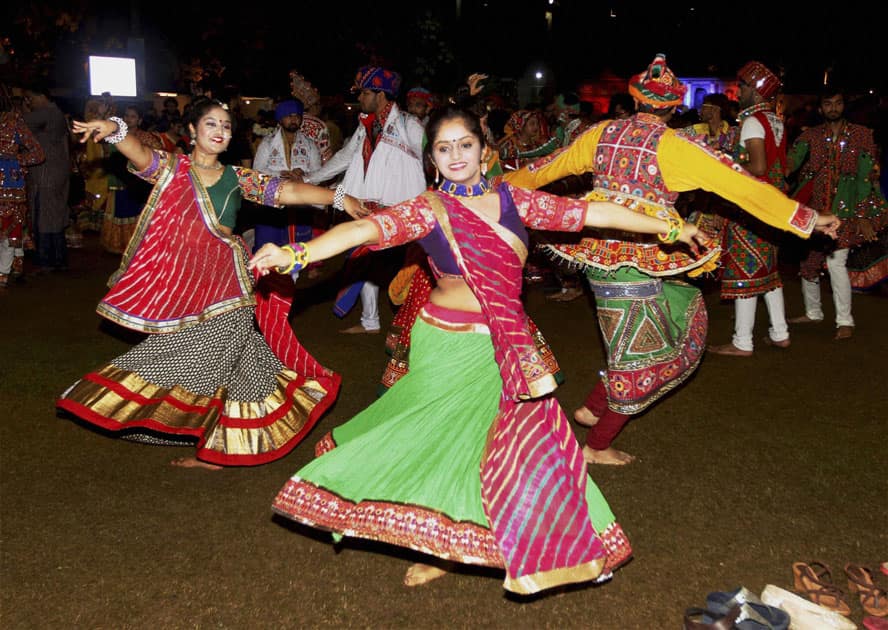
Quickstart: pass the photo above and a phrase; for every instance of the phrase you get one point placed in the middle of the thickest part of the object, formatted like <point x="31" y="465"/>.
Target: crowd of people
<point x="467" y="455"/>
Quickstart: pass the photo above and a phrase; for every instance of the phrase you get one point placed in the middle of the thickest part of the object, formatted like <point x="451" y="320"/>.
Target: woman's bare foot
<point x="610" y="456"/>
<point x="419" y="573"/>
<point x="193" y="462"/>
<point x="585" y="417"/>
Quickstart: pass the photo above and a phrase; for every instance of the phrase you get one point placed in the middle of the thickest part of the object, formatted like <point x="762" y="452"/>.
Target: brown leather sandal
<point x="873" y="599"/>
<point x="814" y="581"/>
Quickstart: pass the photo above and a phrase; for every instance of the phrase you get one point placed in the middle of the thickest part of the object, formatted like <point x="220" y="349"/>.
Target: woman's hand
<point x="98" y="130"/>
<point x="687" y="234"/>
<point x="355" y="207"/>
<point x="296" y="175"/>
<point x="694" y="237"/>
<point x="828" y="224"/>
<point x="269" y="257"/>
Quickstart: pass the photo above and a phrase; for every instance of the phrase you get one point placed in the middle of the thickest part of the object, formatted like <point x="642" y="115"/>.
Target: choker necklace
<point x="209" y="167"/>
<point x="464" y="190"/>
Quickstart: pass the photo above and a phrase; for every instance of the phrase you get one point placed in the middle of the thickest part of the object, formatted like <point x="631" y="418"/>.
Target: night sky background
<point x="427" y="42"/>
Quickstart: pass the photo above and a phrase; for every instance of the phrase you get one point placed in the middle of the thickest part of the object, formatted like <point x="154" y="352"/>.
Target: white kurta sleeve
<point x="338" y="163"/>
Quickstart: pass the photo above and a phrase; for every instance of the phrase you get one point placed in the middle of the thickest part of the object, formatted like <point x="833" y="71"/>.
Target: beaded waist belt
<point x="646" y="289"/>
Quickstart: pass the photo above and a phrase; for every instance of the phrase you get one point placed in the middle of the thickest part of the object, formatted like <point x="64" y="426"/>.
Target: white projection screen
<point x="116" y="75"/>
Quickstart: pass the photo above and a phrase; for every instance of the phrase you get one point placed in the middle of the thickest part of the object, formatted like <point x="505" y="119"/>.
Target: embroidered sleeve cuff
<point x="380" y="234"/>
<point x="803" y="219"/>
<point x="151" y="171"/>
<point x="273" y="193"/>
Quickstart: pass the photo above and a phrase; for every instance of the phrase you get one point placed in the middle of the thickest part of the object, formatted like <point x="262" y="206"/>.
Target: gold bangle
<point x="675" y="227"/>
<point x="306" y="256"/>
<point x="299" y="257"/>
<point x="287" y="268"/>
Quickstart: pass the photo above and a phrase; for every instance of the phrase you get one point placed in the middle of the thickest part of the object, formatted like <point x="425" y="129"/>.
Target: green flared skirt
<point x="406" y="470"/>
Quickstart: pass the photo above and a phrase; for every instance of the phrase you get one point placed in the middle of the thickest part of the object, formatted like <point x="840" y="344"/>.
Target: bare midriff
<point x="454" y="293"/>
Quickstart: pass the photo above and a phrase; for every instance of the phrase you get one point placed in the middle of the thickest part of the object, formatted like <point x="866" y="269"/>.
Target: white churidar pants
<point x="837" y="267"/>
<point x="744" y="318"/>
<point x="370" y="306"/>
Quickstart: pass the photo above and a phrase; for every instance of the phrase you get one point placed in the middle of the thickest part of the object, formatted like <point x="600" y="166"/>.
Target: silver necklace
<point x="210" y="167"/>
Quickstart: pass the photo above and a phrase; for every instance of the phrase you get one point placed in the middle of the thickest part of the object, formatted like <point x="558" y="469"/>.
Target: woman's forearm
<point x="298" y="194"/>
<point x="604" y="214"/>
<point x="332" y="242"/>
<point x="136" y="152"/>
<point x="343" y="237"/>
<point x="129" y="146"/>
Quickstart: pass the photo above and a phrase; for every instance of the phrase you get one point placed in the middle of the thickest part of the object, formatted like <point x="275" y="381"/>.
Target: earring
<point x="484" y="169"/>
<point x="437" y="175"/>
<point x="193" y="142"/>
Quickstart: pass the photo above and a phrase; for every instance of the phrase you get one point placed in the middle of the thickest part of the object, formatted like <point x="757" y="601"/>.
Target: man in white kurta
<point x="382" y="162"/>
<point x="287" y="153"/>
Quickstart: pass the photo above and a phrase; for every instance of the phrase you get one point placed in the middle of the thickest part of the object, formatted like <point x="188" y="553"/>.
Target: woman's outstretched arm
<point x="608" y="215"/>
<point x="332" y="242"/>
<point x="130" y="146"/>
<point x="298" y="194"/>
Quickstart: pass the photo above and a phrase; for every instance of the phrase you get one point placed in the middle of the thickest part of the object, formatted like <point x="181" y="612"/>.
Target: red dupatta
<point x="179" y="269"/>
<point x="533" y="477"/>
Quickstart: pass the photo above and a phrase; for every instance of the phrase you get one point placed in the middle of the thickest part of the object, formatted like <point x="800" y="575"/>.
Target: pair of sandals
<point x="739" y="609"/>
<point x="814" y="581"/>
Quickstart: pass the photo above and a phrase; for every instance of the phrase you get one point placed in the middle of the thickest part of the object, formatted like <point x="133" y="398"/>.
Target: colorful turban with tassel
<point x="379" y="79"/>
<point x="658" y="86"/>
<point x="762" y="80"/>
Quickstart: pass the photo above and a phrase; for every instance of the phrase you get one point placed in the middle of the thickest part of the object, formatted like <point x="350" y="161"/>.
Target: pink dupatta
<point x="533" y="477"/>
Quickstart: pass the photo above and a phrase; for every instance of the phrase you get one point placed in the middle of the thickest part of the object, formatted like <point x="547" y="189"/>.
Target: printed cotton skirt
<point x="749" y="264"/>
<point x="406" y="470"/>
<point x="216" y="384"/>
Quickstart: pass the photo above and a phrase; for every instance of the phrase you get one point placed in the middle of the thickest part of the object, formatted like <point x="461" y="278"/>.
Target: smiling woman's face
<point x="456" y="151"/>
<point x="213" y="131"/>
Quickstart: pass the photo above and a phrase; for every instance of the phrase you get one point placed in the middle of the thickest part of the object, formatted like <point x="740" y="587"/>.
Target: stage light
<point x="116" y="75"/>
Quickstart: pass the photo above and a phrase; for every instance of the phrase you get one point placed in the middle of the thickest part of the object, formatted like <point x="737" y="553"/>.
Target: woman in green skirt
<point x="468" y="458"/>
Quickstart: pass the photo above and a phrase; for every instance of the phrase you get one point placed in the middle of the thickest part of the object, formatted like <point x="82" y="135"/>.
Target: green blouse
<point x="226" y="197"/>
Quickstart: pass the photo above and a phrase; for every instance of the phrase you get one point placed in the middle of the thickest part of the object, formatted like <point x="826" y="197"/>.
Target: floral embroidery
<point x="258" y="187"/>
<point x="403" y="223"/>
<point x="542" y="211"/>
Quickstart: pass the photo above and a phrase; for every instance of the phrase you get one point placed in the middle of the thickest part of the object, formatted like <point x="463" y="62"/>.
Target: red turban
<point x="762" y="80"/>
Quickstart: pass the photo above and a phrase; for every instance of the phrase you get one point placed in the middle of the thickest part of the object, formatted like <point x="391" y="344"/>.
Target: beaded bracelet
<point x="339" y="198"/>
<point x="299" y="258"/>
<point x="120" y="134"/>
<point x="675" y="227"/>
